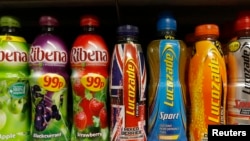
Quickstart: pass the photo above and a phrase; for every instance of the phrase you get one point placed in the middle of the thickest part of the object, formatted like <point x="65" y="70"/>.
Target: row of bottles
<point x="114" y="96"/>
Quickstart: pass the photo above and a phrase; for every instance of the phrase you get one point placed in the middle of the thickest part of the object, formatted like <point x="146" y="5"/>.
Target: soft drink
<point x="207" y="82"/>
<point x="14" y="86"/>
<point x="167" y="58"/>
<point x="238" y="102"/>
<point x="127" y="87"/>
<point x="89" y="59"/>
<point x="49" y="82"/>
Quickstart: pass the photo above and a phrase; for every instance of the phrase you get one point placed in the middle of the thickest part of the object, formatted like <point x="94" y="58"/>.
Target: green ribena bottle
<point x="14" y="72"/>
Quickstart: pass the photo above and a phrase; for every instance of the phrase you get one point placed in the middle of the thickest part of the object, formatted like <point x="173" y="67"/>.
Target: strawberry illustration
<point x="78" y="88"/>
<point x="80" y="120"/>
<point x="95" y="106"/>
<point x="103" y="118"/>
<point x="84" y="104"/>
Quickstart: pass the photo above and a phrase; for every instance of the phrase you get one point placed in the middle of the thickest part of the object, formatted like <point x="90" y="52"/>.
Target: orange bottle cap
<point x="207" y="29"/>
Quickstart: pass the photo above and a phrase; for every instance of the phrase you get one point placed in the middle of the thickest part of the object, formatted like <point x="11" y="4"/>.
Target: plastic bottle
<point x="49" y="83"/>
<point x="127" y="87"/>
<point x="167" y="58"/>
<point x="207" y="82"/>
<point x="14" y="73"/>
<point x="89" y="79"/>
<point x="238" y="72"/>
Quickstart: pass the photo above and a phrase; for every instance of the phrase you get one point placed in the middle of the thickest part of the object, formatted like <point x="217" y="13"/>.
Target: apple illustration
<point x="2" y="119"/>
<point x="16" y="105"/>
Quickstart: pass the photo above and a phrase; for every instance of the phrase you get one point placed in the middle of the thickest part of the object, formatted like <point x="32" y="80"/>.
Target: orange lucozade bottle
<point x="207" y="82"/>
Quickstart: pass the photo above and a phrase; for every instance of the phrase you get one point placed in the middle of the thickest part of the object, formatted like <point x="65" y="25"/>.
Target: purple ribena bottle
<point x="48" y="60"/>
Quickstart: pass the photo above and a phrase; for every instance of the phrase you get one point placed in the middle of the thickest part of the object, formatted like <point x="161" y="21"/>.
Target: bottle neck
<point x="167" y="34"/>
<point x="10" y="30"/>
<point x="243" y="33"/>
<point x="48" y="29"/>
<point x="90" y="29"/>
<point x="127" y="38"/>
<point x="206" y="37"/>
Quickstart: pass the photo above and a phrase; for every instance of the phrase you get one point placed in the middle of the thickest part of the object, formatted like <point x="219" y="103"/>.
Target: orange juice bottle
<point x="207" y="82"/>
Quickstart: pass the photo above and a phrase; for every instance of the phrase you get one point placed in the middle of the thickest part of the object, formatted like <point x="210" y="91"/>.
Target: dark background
<point x="142" y="13"/>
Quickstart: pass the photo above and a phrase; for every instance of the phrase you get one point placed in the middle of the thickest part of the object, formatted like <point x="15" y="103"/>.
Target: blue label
<point x="168" y="120"/>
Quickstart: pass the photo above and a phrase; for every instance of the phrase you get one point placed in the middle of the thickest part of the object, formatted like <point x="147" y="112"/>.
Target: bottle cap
<point x="89" y="20"/>
<point x="127" y="30"/>
<point x="243" y="21"/>
<point x="48" y="21"/>
<point x="9" y="21"/>
<point x="166" y="21"/>
<point x="207" y="29"/>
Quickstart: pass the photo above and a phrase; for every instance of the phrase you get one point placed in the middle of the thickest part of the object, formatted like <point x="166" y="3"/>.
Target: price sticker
<point x="93" y="82"/>
<point x="51" y="82"/>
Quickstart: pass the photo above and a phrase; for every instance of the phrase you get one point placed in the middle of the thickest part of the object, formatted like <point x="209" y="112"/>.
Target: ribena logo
<point x="38" y="54"/>
<point x="79" y="55"/>
<point x="13" y="56"/>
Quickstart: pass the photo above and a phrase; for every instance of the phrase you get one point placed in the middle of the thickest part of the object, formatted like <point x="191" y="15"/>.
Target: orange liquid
<point x="207" y="87"/>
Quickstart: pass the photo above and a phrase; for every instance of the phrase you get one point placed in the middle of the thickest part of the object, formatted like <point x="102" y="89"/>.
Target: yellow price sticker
<point x="93" y="82"/>
<point x="51" y="82"/>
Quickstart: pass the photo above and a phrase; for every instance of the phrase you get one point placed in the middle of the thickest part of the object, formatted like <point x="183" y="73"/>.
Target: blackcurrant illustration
<point x="40" y="124"/>
<point x="40" y="109"/>
<point x="35" y="88"/>
<point x="47" y="116"/>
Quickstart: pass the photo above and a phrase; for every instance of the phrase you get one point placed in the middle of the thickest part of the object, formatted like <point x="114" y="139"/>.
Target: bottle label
<point x="239" y="84"/>
<point x="208" y="88"/>
<point x="90" y="111"/>
<point x="127" y="91"/>
<point x="51" y="82"/>
<point x="89" y="60"/>
<point x="85" y="52"/>
<point x="49" y="106"/>
<point x="167" y="117"/>
<point x="13" y="54"/>
<point x="18" y="90"/>
<point x="14" y="96"/>
<point x="48" y="80"/>
<point x="12" y="39"/>
<point x="49" y="56"/>
<point x="94" y="82"/>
